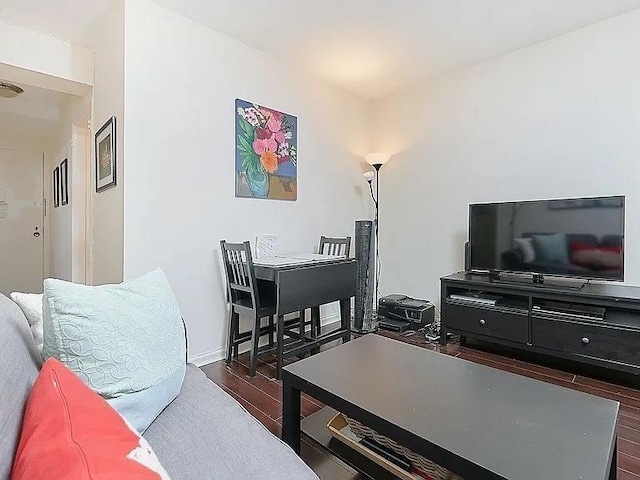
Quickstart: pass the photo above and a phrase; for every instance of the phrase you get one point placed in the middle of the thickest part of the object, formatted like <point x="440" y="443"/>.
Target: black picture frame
<point x="105" y="156"/>
<point x="56" y="187"/>
<point x="64" y="182"/>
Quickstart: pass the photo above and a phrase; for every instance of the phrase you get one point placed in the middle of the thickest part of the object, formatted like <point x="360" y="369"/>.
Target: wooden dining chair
<point x="328" y="246"/>
<point x="334" y="246"/>
<point x="244" y="298"/>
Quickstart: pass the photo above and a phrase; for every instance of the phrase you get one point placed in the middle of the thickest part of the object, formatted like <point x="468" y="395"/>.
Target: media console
<point x="598" y="324"/>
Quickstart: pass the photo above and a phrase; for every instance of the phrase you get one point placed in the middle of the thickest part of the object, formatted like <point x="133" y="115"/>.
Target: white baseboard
<point x="219" y="353"/>
<point x="208" y="357"/>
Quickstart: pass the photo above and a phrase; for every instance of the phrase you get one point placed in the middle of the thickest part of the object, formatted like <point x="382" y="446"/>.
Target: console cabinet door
<point x="489" y="322"/>
<point x="606" y="343"/>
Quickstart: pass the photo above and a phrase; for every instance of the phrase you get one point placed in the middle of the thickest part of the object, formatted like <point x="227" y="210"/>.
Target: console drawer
<point x="485" y="321"/>
<point x="607" y="343"/>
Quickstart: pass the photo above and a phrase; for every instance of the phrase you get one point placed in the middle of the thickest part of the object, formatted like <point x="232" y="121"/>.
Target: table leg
<point x="345" y="318"/>
<point x="291" y="416"/>
<point x="613" y="472"/>
<point x="315" y="322"/>
<point x="279" y="346"/>
<point x="315" y="327"/>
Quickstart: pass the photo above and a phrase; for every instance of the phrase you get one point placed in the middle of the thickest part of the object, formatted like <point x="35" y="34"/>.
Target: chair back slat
<point x="335" y="246"/>
<point x="239" y="270"/>
<point x="239" y="276"/>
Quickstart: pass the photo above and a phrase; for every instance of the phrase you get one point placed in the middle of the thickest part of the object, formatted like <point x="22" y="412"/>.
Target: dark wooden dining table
<point x="302" y="285"/>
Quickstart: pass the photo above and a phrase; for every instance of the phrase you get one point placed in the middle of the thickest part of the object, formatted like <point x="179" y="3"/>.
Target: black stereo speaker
<point x="467" y="256"/>
<point x="363" y="237"/>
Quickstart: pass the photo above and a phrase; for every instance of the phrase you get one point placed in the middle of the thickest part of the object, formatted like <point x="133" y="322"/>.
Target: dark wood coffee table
<point x="477" y="421"/>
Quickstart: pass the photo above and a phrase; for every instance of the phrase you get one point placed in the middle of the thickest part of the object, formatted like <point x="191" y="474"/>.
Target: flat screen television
<point x="575" y="237"/>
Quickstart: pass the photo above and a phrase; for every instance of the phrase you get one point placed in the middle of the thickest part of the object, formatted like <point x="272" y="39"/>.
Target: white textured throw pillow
<point x="31" y="306"/>
<point x="125" y="341"/>
<point x="525" y="245"/>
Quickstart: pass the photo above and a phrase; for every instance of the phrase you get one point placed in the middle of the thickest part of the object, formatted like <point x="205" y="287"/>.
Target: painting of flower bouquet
<point x="266" y="152"/>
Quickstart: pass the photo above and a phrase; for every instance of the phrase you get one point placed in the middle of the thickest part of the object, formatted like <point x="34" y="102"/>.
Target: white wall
<point x="558" y="119"/>
<point x="59" y="233"/>
<point x="15" y="134"/>
<point x="80" y="186"/>
<point x="66" y="222"/>
<point x="37" y="52"/>
<point x="54" y="139"/>
<point x="181" y="81"/>
<point x="107" y="217"/>
<point x="35" y="59"/>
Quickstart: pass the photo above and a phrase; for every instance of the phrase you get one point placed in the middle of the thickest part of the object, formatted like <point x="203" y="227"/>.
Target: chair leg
<point x="236" y="327"/>
<point x="272" y="327"/>
<point x="301" y="325"/>
<point x="255" y="338"/>
<point x="232" y="337"/>
<point x="315" y="326"/>
<point x="280" y="346"/>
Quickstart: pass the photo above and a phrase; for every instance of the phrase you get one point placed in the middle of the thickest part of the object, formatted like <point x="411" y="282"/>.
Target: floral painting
<point x="266" y="152"/>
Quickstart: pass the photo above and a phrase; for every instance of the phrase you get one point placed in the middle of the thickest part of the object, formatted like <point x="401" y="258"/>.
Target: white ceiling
<point x="374" y="47"/>
<point x="65" y="19"/>
<point x="370" y="47"/>
<point x="34" y="102"/>
<point x="35" y="114"/>
<point x="38" y="95"/>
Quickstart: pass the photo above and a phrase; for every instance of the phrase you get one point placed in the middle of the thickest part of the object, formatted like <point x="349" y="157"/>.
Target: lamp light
<point x="8" y="90"/>
<point x="369" y="175"/>
<point x="377" y="159"/>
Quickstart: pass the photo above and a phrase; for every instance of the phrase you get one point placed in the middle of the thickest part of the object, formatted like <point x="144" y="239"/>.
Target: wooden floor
<point x="262" y="397"/>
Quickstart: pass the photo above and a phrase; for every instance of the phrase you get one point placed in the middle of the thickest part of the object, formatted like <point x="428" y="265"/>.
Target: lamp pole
<point x="377" y="166"/>
<point x="376" y="160"/>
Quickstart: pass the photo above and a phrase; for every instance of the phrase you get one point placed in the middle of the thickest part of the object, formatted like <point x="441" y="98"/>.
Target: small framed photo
<point x="64" y="182"/>
<point x="56" y="187"/>
<point x="105" y="147"/>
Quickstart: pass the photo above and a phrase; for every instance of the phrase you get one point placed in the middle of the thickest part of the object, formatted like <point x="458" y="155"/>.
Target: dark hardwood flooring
<point x="262" y="397"/>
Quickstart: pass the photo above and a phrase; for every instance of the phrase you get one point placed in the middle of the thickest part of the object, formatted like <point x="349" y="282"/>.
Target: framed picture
<point x="266" y="160"/>
<point x="105" y="146"/>
<point x="56" y="187"/>
<point x="64" y="182"/>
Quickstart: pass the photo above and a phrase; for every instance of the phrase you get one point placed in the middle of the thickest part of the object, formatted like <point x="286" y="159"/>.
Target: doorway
<point x="22" y="234"/>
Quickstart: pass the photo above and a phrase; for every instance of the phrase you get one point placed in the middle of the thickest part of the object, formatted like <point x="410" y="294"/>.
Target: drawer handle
<point x="482" y="322"/>
<point x="585" y="340"/>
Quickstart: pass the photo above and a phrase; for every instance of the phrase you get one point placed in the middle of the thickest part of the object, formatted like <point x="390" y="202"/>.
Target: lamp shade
<point x="369" y="175"/>
<point x="378" y="158"/>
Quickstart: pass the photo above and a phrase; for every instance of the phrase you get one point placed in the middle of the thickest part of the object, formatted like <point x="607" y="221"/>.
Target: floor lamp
<point x="376" y="160"/>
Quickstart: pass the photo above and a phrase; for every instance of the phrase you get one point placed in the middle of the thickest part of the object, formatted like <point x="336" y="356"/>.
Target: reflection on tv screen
<point x="575" y="237"/>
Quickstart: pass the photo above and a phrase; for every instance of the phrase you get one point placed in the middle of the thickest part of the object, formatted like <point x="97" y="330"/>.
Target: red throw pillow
<point x="596" y="257"/>
<point x="575" y="246"/>
<point x="69" y="432"/>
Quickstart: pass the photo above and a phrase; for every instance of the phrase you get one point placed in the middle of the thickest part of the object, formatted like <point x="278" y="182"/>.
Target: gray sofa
<point x="202" y="434"/>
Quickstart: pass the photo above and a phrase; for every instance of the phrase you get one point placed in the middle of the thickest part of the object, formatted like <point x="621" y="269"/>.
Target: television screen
<point x="578" y="237"/>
